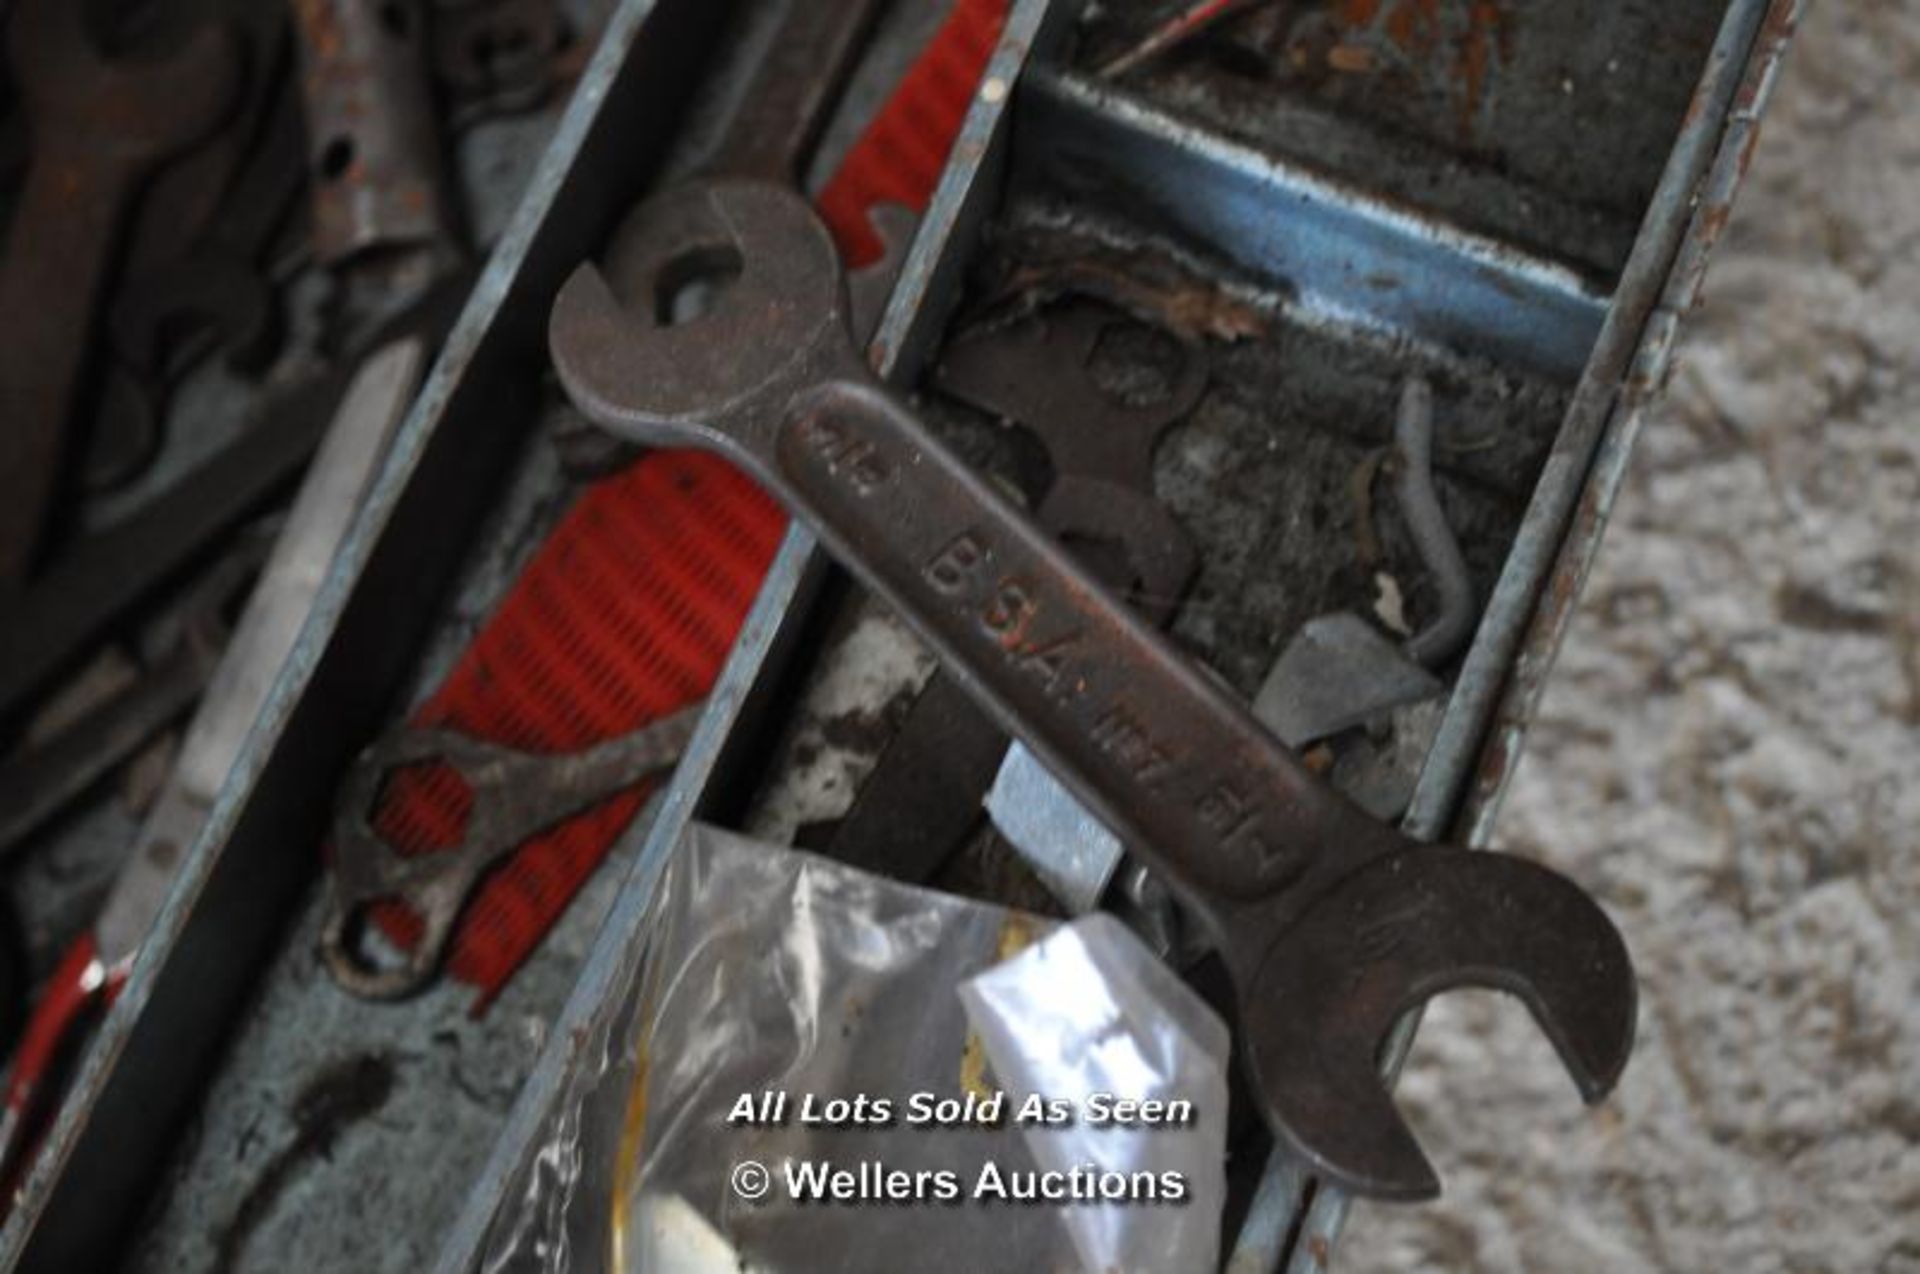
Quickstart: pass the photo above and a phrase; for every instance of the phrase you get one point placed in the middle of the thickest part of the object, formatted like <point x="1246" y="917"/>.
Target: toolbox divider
<point x="245" y="875"/>
<point x="923" y="297"/>
<point x="1341" y="252"/>
<point x="1477" y="745"/>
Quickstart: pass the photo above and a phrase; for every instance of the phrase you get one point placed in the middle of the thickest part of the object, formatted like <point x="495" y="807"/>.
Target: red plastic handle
<point x="80" y="988"/>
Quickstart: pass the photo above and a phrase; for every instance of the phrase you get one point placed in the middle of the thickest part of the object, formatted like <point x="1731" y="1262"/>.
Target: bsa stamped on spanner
<point x="1330" y="923"/>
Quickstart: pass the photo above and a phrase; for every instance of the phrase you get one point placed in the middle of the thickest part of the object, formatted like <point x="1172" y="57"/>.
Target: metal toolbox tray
<point x="1558" y="325"/>
<point x="1558" y="341"/>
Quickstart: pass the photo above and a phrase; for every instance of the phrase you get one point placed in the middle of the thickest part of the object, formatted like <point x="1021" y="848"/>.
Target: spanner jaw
<point x="1383" y="941"/>
<point x="772" y="321"/>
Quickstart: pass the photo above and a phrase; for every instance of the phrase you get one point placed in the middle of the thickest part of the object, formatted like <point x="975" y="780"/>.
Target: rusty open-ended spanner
<point x="516" y="796"/>
<point x="1330" y="924"/>
<point x="98" y="129"/>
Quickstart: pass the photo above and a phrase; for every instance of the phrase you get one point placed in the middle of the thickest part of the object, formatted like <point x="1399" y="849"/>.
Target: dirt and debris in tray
<point x="846" y="709"/>
<point x="330" y="1103"/>
<point x="1268" y="473"/>
<point x="1543" y="124"/>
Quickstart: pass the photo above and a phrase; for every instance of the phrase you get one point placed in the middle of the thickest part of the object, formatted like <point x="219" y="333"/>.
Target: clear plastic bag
<point x="768" y="971"/>
<point x="778" y="974"/>
<point x="772" y="983"/>
<point x="1088" y="1016"/>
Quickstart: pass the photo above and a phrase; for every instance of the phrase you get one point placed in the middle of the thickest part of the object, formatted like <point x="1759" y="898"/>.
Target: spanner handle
<point x="51" y="277"/>
<point x="1160" y="752"/>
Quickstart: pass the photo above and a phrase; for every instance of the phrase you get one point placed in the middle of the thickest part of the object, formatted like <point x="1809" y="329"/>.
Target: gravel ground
<point x="1728" y="757"/>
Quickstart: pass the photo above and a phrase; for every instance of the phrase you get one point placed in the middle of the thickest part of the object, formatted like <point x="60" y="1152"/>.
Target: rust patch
<point x="1487" y="33"/>
<point x="1193" y="310"/>
<point x="1351" y="59"/>
<point x="1418" y="29"/>
<point x="316" y="20"/>
<point x="1400" y="28"/>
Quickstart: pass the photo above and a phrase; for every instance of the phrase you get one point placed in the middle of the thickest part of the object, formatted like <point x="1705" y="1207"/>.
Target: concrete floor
<point x="1730" y="758"/>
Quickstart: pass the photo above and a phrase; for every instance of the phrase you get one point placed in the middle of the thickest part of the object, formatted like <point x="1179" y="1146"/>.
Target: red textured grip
<point x="900" y="156"/>
<point x="625" y="614"/>
<point x="629" y="608"/>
